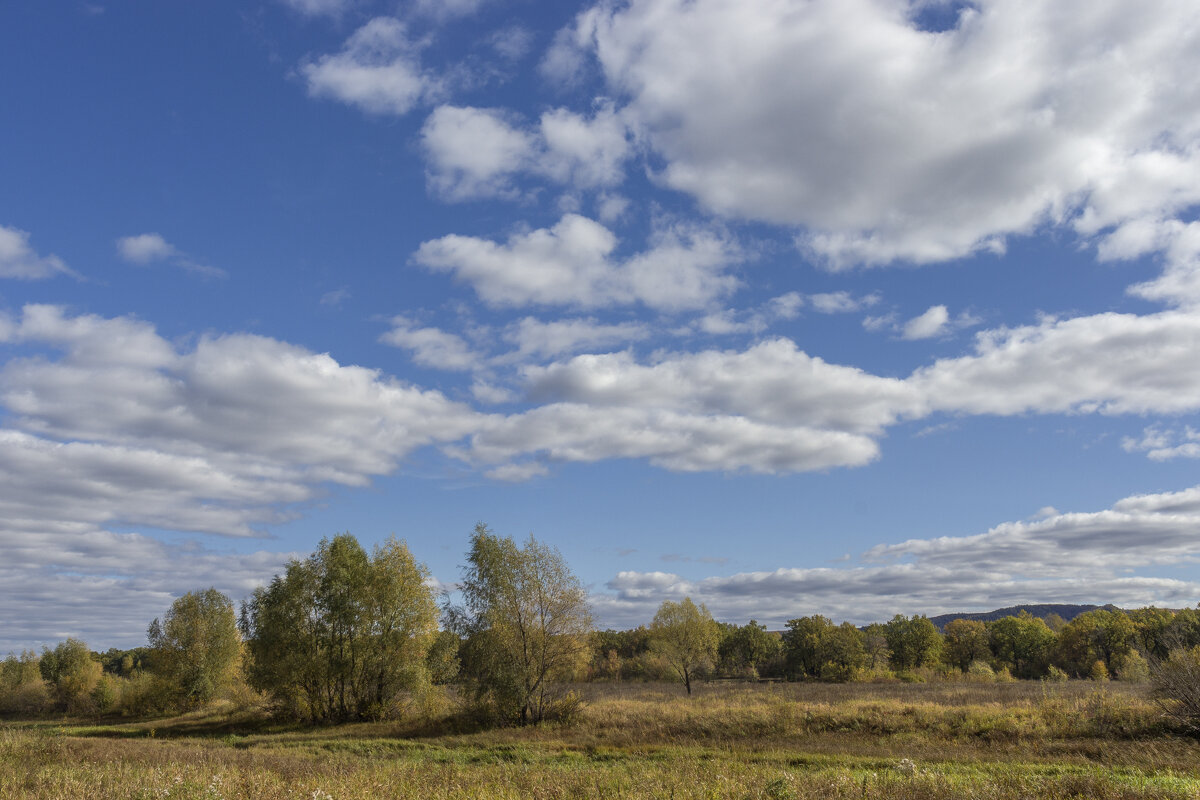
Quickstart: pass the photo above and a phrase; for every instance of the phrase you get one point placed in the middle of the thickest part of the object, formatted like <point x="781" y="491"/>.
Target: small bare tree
<point x="1177" y="685"/>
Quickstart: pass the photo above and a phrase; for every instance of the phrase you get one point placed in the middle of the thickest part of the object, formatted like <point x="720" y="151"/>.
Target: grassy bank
<point x="638" y="741"/>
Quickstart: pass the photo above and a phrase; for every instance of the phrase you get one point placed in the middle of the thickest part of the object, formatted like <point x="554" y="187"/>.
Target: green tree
<point x="1150" y="626"/>
<point x="964" y="642"/>
<point x="342" y="635"/>
<point x="686" y="636"/>
<point x="526" y="621"/>
<point x="749" y="647"/>
<point x="73" y="674"/>
<point x="1022" y="643"/>
<point x="803" y="645"/>
<point x="196" y="648"/>
<point x="914" y="641"/>
<point x="1099" y="635"/>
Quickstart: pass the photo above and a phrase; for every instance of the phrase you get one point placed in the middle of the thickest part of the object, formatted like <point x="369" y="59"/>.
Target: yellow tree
<point x="527" y="625"/>
<point x="686" y="636"/>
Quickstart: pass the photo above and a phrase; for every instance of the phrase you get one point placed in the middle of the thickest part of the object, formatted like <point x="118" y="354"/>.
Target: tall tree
<point x="1022" y="643"/>
<point x="914" y="641"/>
<point x="965" y="641"/>
<point x="686" y="636"/>
<point x="526" y="621"/>
<point x="341" y="635"/>
<point x="195" y="648"/>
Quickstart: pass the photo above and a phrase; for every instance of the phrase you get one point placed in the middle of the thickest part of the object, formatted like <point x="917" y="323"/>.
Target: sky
<point x="841" y="307"/>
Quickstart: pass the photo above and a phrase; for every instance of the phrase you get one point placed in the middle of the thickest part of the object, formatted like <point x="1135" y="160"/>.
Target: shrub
<point x="1177" y="685"/>
<point x="1132" y="668"/>
<point x="980" y="672"/>
<point x="1055" y="675"/>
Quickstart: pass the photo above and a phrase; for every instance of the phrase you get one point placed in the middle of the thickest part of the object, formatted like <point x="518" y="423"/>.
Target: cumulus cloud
<point x="913" y="144"/>
<point x="19" y="260"/>
<point x="572" y="264"/>
<point x="378" y="70"/>
<point x="119" y="383"/>
<point x="1105" y="363"/>
<point x="479" y="152"/>
<point x="1071" y="558"/>
<point x="536" y="338"/>
<point x="1164" y="444"/>
<point x="431" y="347"/>
<point x="928" y="325"/>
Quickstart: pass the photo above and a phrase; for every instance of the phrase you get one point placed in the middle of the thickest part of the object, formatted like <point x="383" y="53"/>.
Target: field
<point x="941" y="740"/>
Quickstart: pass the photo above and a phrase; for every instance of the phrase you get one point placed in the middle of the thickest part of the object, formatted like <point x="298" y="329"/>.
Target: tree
<point x="749" y="647"/>
<point x="526" y="622"/>
<point x="196" y="648"/>
<point x="816" y="648"/>
<point x="686" y="636"/>
<point x="1022" y="643"/>
<point x="342" y="635"/>
<point x="914" y="641"/>
<point x="73" y="674"/>
<point x="965" y="641"/>
<point x="1093" y="636"/>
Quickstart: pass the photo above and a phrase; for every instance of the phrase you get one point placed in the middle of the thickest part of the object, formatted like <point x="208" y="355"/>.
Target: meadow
<point x="1023" y="739"/>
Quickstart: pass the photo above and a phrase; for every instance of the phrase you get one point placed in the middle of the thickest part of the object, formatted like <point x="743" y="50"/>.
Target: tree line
<point x="347" y="634"/>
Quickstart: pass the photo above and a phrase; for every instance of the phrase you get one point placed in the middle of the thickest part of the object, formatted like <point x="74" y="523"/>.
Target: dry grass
<point x="788" y="741"/>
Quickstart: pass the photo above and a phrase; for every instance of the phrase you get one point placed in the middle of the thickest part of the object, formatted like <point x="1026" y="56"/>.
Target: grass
<point x="925" y="742"/>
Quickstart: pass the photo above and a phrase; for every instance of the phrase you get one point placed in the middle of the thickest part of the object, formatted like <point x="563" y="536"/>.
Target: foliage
<point x="1098" y="635"/>
<point x="73" y="673"/>
<point x="816" y="648"/>
<point x="196" y="647"/>
<point x="1021" y="644"/>
<point x="526" y="622"/>
<point x="686" y="636"/>
<point x="342" y="634"/>
<point x="749" y="648"/>
<point x="914" y="641"/>
<point x="965" y="641"/>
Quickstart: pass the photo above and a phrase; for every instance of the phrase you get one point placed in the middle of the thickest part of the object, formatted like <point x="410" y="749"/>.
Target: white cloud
<point x="536" y="338"/>
<point x="673" y="440"/>
<point x="431" y="347"/>
<point x="474" y="152"/>
<point x="841" y="302"/>
<point x="883" y="141"/>
<point x="378" y="70"/>
<point x="144" y="248"/>
<point x="148" y="248"/>
<point x="478" y="152"/>
<point x="928" y="325"/>
<point x="18" y="259"/>
<point x="121" y="384"/>
<point x="572" y="264"/>
<point x="1106" y="363"/>
<point x="1164" y="444"/>
<point x="1073" y="558"/>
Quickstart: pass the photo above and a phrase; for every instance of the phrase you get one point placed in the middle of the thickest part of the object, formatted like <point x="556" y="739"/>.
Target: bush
<point x="1056" y="675"/>
<point x="1177" y="685"/>
<point x="1132" y="668"/>
<point x="980" y="672"/>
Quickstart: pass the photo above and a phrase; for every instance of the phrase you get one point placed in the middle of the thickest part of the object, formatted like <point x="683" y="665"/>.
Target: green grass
<point x="924" y="742"/>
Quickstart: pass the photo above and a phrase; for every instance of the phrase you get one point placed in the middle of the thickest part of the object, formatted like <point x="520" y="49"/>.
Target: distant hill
<point x="1043" y="610"/>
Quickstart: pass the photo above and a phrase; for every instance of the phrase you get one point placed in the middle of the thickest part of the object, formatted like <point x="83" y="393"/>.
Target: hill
<point x="1066" y="611"/>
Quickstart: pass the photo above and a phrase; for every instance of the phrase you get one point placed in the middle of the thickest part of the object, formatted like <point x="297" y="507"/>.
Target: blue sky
<point x="848" y="307"/>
